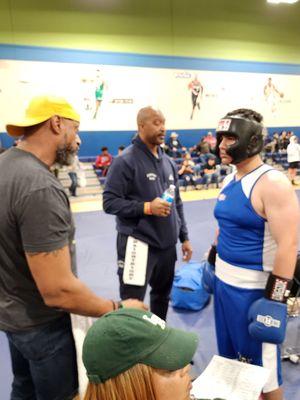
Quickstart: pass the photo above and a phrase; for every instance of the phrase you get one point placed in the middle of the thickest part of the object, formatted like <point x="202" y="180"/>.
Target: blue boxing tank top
<point x="244" y="237"/>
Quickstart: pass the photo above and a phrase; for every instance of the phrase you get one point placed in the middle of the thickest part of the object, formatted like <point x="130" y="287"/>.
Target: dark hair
<point x="104" y="148"/>
<point x="121" y="147"/>
<point x="246" y="113"/>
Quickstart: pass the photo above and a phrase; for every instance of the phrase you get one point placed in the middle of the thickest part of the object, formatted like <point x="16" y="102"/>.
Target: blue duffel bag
<point x="187" y="290"/>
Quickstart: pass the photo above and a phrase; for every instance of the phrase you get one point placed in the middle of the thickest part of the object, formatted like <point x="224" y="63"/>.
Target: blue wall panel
<point x="93" y="141"/>
<point x="36" y="53"/>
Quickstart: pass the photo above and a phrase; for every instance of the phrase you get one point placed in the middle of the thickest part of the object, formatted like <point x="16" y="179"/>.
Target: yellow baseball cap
<point x="40" y="109"/>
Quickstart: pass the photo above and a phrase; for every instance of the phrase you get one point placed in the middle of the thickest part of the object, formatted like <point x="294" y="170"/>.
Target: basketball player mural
<point x="99" y="89"/>
<point x="272" y="95"/>
<point x="196" y="92"/>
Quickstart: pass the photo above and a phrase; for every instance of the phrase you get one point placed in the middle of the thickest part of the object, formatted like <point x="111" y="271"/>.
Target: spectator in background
<point x="268" y="144"/>
<point x="198" y="148"/>
<point x="175" y="148"/>
<point x="205" y="153"/>
<point x="120" y="150"/>
<point x="224" y="170"/>
<point x="211" y="141"/>
<point x="73" y="169"/>
<point x="103" y="161"/>
<point x="187" y="171"/>
<point x="293" y="158"/>
<point x="283" y="141"/>
<point x="211" y="174"/>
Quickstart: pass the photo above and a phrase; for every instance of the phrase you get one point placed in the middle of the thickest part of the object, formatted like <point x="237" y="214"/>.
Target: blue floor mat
<point x="96" y="256"/>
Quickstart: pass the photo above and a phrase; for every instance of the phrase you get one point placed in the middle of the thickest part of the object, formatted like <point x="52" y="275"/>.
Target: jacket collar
<point x="137" y="141"/>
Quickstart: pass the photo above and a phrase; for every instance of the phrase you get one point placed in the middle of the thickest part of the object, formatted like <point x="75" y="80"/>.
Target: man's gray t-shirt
<point x="35" y="217"/>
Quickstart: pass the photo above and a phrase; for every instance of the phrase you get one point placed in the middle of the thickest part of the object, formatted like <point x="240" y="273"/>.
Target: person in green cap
<point x="132" y="354"/>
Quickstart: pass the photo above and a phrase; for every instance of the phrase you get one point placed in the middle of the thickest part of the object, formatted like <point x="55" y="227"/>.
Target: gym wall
<point x="148" y="53"/>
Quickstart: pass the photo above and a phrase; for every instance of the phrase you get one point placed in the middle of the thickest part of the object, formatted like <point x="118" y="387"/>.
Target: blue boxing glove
<point x="267" y="321"/>
<point x="268" y="316"/>
<point x="208" y="277"/>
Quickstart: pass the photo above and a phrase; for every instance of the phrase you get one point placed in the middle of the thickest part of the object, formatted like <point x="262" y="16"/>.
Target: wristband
<point x="120" y="305"/>
<point x="278" y="288"/>
<point x="116" y="305"/>
<point x="147" y="208"/>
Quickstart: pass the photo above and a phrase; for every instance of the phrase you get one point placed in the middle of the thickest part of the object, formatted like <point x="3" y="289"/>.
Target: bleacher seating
<point x="96" y="182"/>
<point x="93" y="184"/>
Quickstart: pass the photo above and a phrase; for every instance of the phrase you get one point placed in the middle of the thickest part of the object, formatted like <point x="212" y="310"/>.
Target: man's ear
<point x="56" y="124"/>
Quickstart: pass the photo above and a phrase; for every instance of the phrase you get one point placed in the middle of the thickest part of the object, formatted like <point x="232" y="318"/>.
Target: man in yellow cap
<point x="38" y="285"/>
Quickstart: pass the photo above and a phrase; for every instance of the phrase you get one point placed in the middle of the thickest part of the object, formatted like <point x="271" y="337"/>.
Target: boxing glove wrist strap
<point x="212" y="254"/>
<point x="278" y="288"/>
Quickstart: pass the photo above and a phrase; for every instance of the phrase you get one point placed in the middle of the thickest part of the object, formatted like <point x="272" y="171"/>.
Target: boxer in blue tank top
<point x="257" y="213"/>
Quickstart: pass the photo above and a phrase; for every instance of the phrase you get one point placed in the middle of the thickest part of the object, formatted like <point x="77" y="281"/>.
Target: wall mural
<point x="108" y="97"/>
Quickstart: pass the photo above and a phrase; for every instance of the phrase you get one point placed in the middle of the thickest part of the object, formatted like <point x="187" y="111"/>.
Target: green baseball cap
<point x="126" y="337"/>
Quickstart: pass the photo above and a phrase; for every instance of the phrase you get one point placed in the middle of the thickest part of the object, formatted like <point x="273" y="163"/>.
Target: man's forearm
<point x="121" y="207"/>
<point x="77" y="298"/>
<point x="285" y="261"/>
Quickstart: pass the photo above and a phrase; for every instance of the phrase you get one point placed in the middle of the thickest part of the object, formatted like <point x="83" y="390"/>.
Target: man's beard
<point x="65" y="155"/>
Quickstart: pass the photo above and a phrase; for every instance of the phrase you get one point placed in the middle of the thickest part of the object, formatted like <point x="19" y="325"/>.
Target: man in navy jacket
<point x="133" y="190"/>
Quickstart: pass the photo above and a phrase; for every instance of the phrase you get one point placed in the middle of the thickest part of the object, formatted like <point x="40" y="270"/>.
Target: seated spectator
<point x="211" y="174"/>
<point x="103" y="161"/>
<point x="211" y="141"/>
<point x="225" y="169"/>
<point x="199" y="148"/>
<point x="268" y="144"/>
<point x="293" y="158"/>
<point x="283" y="141"/>
<point x="275" y="143"/>
<point x="205" y="153"/>
<point x="132" y="355"/>
<point x="187" y="171"/>
<point x="174" y="147"/>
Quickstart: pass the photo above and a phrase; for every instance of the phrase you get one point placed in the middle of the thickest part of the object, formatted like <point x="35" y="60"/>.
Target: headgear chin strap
<point x="249" y="135"/>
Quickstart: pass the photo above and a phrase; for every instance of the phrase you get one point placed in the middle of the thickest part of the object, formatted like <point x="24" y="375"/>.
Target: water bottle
<point x="169" y="194"/>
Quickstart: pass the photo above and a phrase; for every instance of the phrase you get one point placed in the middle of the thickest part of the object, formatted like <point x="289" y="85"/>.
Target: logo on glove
<point x="268" y="321"/>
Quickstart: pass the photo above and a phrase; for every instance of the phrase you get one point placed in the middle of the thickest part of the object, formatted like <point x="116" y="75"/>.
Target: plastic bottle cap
<point x="294" y="358"/>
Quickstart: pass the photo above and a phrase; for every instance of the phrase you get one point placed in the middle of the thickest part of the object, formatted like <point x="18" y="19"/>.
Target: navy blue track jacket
<point x="135" y="177"/>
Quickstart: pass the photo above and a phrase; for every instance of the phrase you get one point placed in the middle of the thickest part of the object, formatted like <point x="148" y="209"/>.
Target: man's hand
<point x="160" y="207"/>
<point x="187" y="250"/>
<point x="133" y="303"/>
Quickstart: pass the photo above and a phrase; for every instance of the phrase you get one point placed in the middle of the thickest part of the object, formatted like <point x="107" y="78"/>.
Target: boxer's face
<point x="226" y="142"/>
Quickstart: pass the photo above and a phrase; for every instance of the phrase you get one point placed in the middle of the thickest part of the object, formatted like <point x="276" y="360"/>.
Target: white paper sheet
<point x="136" y="258"/>
<point x="80" y="326"/>
<point x="230" y="380"/>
